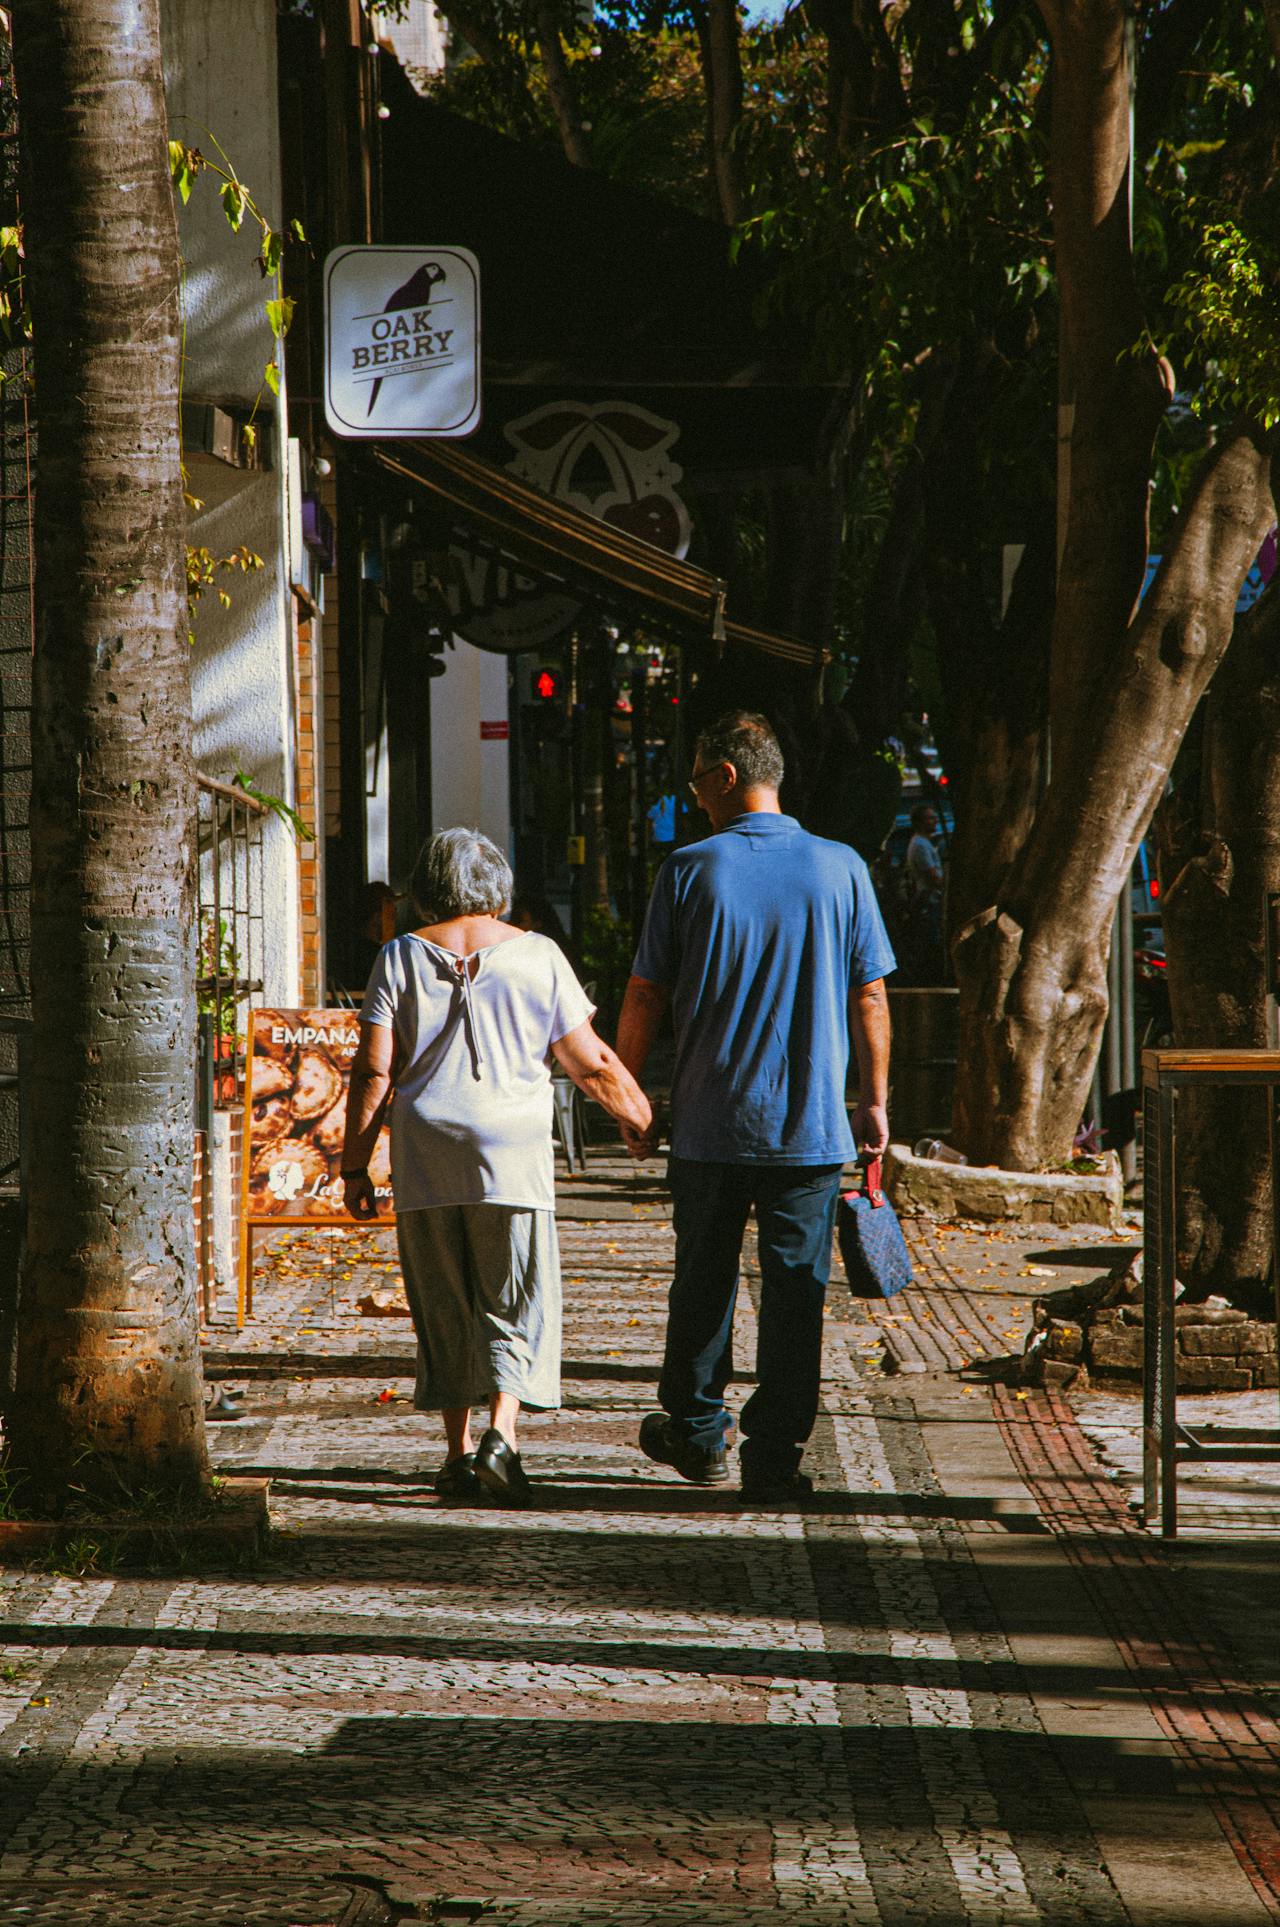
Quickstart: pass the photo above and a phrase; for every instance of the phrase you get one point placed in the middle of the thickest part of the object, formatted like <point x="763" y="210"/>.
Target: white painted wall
<point x="470" y="778"/>
<point x="220" y="79"/>
<point x="417" y="36"/>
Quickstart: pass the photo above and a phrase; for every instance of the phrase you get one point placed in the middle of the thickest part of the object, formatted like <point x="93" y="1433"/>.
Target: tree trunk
<point x="1031" y="964"/>
<point x="108" y="1395"/>
<point x="1220" y="852"/>
<point x="722" y="77"/>
<point x="999" y="697"/>
<point x="560" y="90"/>
<point x="864" y="81"/>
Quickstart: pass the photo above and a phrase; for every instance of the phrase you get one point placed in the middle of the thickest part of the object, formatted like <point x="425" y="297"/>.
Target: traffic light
<point x="548" y="685"/>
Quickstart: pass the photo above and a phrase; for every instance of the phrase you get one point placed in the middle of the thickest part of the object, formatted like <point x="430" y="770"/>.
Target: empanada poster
<point x="295" y="1115"/>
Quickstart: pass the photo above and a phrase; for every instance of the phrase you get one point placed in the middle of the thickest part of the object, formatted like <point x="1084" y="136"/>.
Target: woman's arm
<point x="368" y="1094"/>
<point x="600" y="1073"/>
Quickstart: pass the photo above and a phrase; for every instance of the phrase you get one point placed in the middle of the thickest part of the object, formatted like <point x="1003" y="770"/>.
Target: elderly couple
<point x="766" y="945"/>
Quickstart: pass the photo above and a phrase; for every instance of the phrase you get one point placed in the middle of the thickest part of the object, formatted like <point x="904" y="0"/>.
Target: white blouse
<point x="471" y="1112"/>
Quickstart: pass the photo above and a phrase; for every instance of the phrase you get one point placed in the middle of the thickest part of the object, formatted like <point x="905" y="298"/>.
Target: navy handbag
<point x="871" y="1241"/>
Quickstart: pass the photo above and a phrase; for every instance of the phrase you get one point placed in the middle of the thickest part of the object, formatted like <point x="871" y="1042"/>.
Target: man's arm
<point x="870" y="1031"/>
<point x="368" y="1093"/>
<point x="643" y="1008"/>
<point x="599" y="1073"/>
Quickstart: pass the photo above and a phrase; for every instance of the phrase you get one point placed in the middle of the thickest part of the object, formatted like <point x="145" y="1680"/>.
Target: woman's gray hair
<point x="460" y="873"/>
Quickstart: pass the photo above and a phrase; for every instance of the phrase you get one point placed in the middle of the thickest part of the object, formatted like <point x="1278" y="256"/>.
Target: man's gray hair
<point x="460" y="873"/>
<point x="746" y="740"/>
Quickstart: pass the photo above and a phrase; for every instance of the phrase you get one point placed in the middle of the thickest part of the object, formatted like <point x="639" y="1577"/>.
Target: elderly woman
<point x="459" y="1023"/>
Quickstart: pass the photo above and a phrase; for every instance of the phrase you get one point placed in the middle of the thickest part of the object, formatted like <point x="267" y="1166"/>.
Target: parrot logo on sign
<point x="401" y="336"/>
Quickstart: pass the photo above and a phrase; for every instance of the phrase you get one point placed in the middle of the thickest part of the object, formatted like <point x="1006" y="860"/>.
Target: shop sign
<point x="298" y="1071"/>
<point x="611" y="459"/>
<point x="402" y="342"/>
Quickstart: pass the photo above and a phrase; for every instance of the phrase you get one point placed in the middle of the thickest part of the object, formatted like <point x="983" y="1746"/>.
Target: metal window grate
<point x="230" y="925"/>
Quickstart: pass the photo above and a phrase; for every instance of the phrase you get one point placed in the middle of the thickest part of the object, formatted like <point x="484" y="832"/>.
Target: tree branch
<point x="1156" y="679"/>
<point x="864" y="84"/>
<point x="722" y="66"/>
<point x="485" y="45"/>
<point x="560" y="89"/>
<point x="1271" y="14"/>
<point x="716" y="26"/>
<point x="1113" y="392"/>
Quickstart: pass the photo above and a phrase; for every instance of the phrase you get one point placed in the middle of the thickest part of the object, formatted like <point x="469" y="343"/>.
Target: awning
<point x="578" y="551"/>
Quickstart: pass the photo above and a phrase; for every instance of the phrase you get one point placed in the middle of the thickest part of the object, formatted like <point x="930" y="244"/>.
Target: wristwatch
<point x="363" y="1172"/>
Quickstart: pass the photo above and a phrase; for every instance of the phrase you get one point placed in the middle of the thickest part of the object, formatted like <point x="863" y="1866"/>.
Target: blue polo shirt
<point x="759" y="932"/>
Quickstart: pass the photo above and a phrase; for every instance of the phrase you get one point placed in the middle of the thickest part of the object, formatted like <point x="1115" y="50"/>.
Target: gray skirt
<point x="483" y="1284"/>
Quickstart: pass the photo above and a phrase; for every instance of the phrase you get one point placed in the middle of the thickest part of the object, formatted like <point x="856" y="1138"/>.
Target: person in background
<point x="458" y="1025"/>
<point x="924" y="865"/>
<point x="767" y="946"/>
<point x="532" y="911"/>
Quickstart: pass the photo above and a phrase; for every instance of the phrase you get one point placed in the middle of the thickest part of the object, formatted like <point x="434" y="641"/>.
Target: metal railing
<point x="230" y="927"/>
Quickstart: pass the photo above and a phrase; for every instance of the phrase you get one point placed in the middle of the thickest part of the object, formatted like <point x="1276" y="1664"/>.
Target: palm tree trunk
<point x="108" y="1394"/>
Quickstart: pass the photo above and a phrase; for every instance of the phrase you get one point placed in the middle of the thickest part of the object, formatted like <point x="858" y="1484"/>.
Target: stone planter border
<point x="926" y="1187"/>
<point x="235" y="1529"/>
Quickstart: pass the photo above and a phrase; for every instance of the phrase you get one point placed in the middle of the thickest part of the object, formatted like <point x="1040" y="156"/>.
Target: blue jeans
<point x="795" y="1218"/>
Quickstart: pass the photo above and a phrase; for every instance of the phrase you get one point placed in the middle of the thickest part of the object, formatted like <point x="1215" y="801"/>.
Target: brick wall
<point x="307" y="633"/>
<point x="201" y="1205"/>
<point x="331" y="742"/>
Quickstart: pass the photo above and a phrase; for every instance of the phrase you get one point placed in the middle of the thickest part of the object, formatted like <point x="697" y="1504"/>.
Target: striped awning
<point x="561" y="544"/>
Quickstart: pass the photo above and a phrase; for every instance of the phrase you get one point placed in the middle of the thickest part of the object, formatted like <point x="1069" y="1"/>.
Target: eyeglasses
<point x="700" y="776"/>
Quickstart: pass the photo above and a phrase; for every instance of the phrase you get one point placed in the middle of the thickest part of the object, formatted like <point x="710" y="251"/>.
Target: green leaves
<point x="184" y="165"/>
<point x="238" y="204"/>
<point x="272" y="251"/>
<point x="1228" y="305"/>
<point x="203" y="571"/>
<point x="278" y="807"/>
<point x="15" y="315"/>
<point x="234" y="200"/>
<point x="280" y="314"/>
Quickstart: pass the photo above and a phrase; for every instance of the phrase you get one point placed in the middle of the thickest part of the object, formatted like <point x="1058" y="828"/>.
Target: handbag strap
<point x="871" y="1181"/>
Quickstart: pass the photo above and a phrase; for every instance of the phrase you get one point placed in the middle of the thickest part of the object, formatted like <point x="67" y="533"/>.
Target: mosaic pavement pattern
<point x="639" y="1705"/>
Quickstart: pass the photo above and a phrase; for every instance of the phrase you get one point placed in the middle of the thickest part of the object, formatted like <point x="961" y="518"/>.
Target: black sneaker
<point x="767" y="1487"/>
<point x="500" y="1472"/>
<point x="659" y="1442"/>
<point x="457" y="1479"/>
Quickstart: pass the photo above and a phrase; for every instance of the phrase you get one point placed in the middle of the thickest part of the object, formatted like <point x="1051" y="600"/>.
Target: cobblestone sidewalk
<point x="639" y="1705"/>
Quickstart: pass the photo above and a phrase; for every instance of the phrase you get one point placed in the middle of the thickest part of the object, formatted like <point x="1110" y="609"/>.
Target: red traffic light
<point x="546" y="685"/>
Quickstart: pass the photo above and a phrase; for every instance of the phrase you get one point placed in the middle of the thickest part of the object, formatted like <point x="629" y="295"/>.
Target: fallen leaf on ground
<point x="382" y="1304"/>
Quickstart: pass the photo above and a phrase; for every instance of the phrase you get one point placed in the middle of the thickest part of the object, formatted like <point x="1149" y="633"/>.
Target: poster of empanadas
<point x="295" y="1113"/>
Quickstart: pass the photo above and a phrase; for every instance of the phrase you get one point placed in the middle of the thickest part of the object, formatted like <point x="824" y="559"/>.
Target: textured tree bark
<point x="1219" y="840"/>
<point x="998" y="690"/>
<point x="108" y="1395"/>
<point x="1031" y="964"/>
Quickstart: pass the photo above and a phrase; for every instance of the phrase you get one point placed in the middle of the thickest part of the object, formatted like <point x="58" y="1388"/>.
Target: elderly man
<point x="767" y="945"/>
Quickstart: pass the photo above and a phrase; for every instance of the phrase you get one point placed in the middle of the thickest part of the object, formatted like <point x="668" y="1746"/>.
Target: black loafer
<point x="775" y="1488"/>
<point x="457" y="1479"/>
<point x="500" y="1472"/>
<point x="659" y="1442"/>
